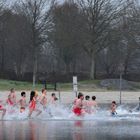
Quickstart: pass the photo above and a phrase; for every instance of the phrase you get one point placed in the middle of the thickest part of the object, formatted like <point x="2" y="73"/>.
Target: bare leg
<point x="39" y="112"/>
<point x="30" y="113"/>
<point x="3" y="114"/>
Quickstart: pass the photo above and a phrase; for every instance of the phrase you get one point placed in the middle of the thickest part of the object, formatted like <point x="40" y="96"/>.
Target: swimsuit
<point x="10" y="102"/>
<point x="77" y="111"/>
<point x="1" y="107"/>
<point x="114" y="113"/>
<point x="32" y="104"/>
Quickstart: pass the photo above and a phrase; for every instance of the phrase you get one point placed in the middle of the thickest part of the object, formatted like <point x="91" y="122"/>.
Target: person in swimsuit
<point x="11" y="98"/>
<point x="22" y="102"/>
<point x="32" y="104"/>
<point x="78" y="107"/>
<point x="53" y="99"/>
<point x="43" y="98"/>
<point x="3" y="111"/>
<point x="93" y="104"/>
<point x="113" y="108"/>
<point x="87" y="104"/>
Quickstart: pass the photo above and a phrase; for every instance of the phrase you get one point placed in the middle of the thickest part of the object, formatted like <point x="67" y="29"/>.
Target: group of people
<point x="81" y="104"/>
<point x="33" y="102"/>
<point x="86" y="106"/>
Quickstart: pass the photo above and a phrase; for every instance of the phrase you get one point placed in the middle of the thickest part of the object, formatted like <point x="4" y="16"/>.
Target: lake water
<point x="115" y="129"/>
<point x="62" y="124"/>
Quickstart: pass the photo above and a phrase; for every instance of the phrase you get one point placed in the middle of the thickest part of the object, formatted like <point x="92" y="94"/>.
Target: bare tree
<point x="20" y="40"/>
<point x="129" y="28"/>
<point x="2" y="33"/>
<point x="66" y="35"/>
<point x="101" y="14"/>
<point x="111" y="56"/>
<point x="38" y="15"/>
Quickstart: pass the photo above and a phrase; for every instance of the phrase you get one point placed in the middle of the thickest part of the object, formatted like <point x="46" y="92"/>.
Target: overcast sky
<point x="12" y="1"/>
<point x="9" y="2"/>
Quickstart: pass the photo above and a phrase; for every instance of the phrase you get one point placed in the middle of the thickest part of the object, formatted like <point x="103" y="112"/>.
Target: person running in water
<point x="3" y="111"/>
<point x="22" y="102"/>
<point x="78" y="107"/>
<point x="113" y="108"/>
<point x="87" y="104"/>
<point x="11" y="98"/>
<point x="53" y="99"/>
<point x="93" y="104"/>
<point x="32" y="104"/>
<point x="43" y="98"/>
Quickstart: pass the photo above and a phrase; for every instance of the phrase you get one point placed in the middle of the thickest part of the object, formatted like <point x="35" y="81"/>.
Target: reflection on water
<point x="69" y="130"/>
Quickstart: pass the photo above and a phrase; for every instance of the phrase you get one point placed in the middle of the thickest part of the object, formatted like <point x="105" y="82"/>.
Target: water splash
<point x="64" y="112"/>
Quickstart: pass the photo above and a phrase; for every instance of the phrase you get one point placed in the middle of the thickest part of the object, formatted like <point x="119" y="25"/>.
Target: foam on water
<point x="63" y="112"/>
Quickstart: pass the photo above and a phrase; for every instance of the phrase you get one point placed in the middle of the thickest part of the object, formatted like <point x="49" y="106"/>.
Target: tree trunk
<point x="34" y="70"/>
<point x="125" y="68"/>
<point x="34" y="54"/>
<point x="95" y="70"/>
<point x="67" y="68"/>
<point x="2" y="59"/>
<point x="74" y="67"/>
<point x="92" y="67"/>
<point x="126" y="62"/>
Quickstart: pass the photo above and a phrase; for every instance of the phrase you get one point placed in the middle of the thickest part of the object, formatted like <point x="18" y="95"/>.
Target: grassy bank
<point x="8" y="84"/>
<point x="88" y="85"/>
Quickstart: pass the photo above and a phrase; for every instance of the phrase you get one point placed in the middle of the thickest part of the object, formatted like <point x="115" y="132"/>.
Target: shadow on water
<point x="69" y="130"/>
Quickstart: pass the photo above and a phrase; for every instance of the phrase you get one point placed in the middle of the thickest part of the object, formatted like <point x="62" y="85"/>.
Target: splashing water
<point x="64" y="112"/>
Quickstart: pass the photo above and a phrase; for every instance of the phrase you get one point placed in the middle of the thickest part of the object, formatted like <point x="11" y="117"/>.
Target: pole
<point x="139" y="103"/>
<point x="120" y="88"/>
<point x="75" y="85"/>
<point x="59" y="93"/>
<point x="59" y="96"/>
<point x="76" y="94"/>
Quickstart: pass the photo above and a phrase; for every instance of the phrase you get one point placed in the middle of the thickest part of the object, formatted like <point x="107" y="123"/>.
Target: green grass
<point x="90" y="82"/>
<point x="8" y="84"/>
<point x="64" y="86"/>
<point x="18" y="85"/>
<point x="86" y="85"/>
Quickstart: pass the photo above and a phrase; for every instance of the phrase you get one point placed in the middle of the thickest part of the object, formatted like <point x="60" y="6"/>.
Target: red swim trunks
<point x="77" y="111"/>
<point x="1" y="107"/>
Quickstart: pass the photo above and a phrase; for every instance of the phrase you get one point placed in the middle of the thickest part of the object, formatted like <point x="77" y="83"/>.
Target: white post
<point x="139" y="103"/>
<point x="120" y="88"/>
<point x="75" y="85"/>
<point x="121" y="69"/>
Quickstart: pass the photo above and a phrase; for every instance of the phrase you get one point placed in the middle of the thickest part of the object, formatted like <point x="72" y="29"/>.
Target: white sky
<point x="9" y="2"/>
<point x="12" y="1"/>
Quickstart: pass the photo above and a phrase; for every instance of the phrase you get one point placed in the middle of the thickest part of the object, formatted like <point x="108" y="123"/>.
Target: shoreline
<point x="69" y="96"/>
